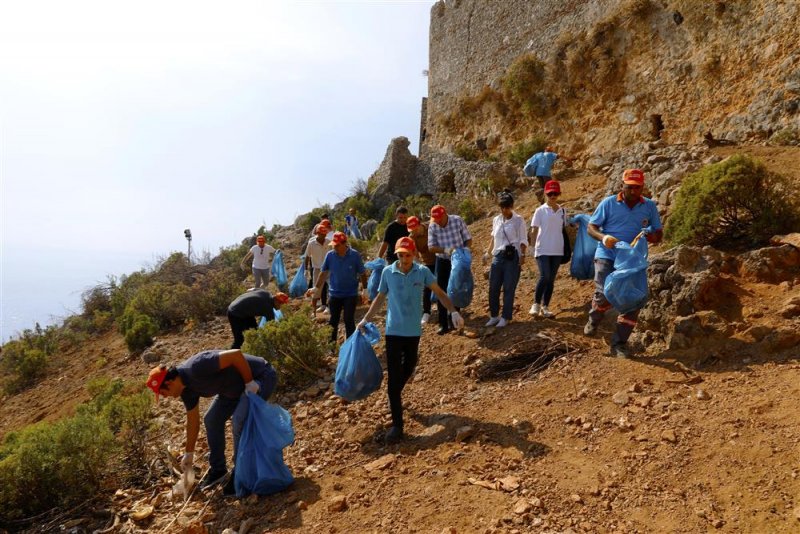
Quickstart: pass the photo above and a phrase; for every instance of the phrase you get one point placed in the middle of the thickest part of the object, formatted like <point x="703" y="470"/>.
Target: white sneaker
<point x="501" y="323"/>
<point x="493" y="321"/>
<point x="426" y="318"/>
<point x="534" y="309"/>
<point x="547" y="313"/>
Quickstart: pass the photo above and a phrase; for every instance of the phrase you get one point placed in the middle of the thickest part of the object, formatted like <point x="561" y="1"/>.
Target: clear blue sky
<point x="121" y="124"/>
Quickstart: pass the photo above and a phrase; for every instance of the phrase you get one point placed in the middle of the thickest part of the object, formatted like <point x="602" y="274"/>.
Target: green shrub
<point x="123" y="291"/>
<point x="521" y="152"/>
<point x="733" y="204"/>
<point x="524" y="81"/>
<point x="294" y="345"/>
<point x="24" y="365"/>
<point x="229" y="258"/>
<point x="468" y="153"/>
<point x="97" y="298"/>
<point x="469" y="211"/>
<point x="138" y="330"/>
<point x="786" y="137"/>
<point x="214" y="291"/>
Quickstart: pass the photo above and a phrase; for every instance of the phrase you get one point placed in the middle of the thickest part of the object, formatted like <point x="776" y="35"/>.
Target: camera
<point x="510" y="252"/>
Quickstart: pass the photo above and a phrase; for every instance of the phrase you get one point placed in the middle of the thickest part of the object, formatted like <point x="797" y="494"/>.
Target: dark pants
<point x="338" y="304"/>
<point x="426" y="293"/>
<point x="504" y="274"/>
<point x="543" y="180"/>
<point x="224" y="408"/>
<point x="548" y="269"/>
<point x="401" y="360"/>
<point x="314" y="274"/>
<point x="238" y="326"/>
<point x="600" y="305"/>
<point x="443" y="267"/>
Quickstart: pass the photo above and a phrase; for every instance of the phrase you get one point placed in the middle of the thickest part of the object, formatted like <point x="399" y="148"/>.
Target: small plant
<point x="786" y="137"/>
<point x="138" y="330"/>
<point x="294" y="345"/>
<point x="469" y="211"/>
<point x="468" y="153"/>
<point x="25" y="365"/>
<point x="734" y="204"/>
<point x="521" y="152"/>
<point x="524" y="80"/>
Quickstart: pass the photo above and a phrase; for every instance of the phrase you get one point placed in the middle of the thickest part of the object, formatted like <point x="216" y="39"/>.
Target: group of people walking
<point x="419" y="266"/>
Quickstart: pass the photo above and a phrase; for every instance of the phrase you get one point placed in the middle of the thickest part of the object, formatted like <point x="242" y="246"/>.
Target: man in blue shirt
<point x="344" y="268"/>
<point x="619" y="217"/>
<point x="225" y="375"/>
<point x="402" y="283"/>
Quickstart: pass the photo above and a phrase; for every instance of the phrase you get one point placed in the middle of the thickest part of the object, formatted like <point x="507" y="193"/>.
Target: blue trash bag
<point x="581" y="266"/>
<point x="358" y="373"/>
<point x="279" y="271"/>
<point x="377" y="265"/>
<point x="530" y="166"/>
<point x="626" y="288"/>
<point x="278" y="317"/>
<point x="299" y="284"/>
<point x="260" y="468"/>
<point x="461" y="283"/>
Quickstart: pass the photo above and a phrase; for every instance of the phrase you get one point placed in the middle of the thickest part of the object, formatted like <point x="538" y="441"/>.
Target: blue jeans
<point x="548" y="269"/>
<point x="504" y="274"/>
<point x="224" y="408"/>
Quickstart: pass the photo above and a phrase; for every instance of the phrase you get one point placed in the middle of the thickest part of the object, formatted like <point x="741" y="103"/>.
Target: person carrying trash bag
<point x="358" y="371"/>
<point x="445" y="234"/>
<point x="619" y="217"/>
<point x="244" y="309"/>
<point x="402" y="284"/>
<point x="225" y="375"/>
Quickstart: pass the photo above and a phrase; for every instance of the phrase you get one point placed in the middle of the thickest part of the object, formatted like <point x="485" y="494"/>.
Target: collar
<point x="395" y="268"/>
<point x="621" y="198"/>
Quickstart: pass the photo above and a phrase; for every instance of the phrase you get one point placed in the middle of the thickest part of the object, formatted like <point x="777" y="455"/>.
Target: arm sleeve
<point x="536" y="221"/>
<point x="384" y="285"/>
<point x="465" y="235"/>
<point x="655" y="220"/>
<point x="326" y="264"/>
<point x="386" y="238"/>
<point x="598" y="218"/>
<point x="433" y="240"/>
<point x="522" y="233"/>
<point x="430" y="278"/>
<point x="360" y="264"/>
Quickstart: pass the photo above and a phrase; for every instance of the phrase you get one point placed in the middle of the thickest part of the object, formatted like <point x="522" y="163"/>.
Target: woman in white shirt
<point x="548" y="221"/>
<point x="507" y="248"/>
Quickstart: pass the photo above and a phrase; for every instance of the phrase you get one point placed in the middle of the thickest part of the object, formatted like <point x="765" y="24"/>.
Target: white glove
<point x="187" y="461"/>
<point x="251" y="387"/>
<point x="458" y="321"/>
<point x="609" y="241"/>
<point x="485" y="258"/>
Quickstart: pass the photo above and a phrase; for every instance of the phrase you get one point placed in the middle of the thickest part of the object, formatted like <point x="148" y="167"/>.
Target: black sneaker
<point x="213" y="478"/>
<point x="590" y="329"/>
<point x="394" y="435"/>
<point x="229" y="489"/>
<point x="620" y="350"/>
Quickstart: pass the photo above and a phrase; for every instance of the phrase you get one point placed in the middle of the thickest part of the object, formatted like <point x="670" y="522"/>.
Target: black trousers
<point x="443" y="268"/>
<point x="336" y="305"/>
<point x="401" y="360"/>
<point x="426" y="294"/>
<point x="238" y="326"/>
<point x="314" y="273"/>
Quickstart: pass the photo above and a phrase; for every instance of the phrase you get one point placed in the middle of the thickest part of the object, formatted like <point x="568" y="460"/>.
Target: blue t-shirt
<point x="615" y="218"/>
<point x="404" y="290"/>
<point x="544" y="162"/>
<point x="343" y="281"/>
<point x="202" y="377"/>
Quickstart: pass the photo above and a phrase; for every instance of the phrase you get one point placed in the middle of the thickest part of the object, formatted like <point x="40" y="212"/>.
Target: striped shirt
<point x="453" y="235"/>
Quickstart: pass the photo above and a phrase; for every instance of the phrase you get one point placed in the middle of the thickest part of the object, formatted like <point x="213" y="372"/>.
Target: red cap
<point x="338" y="238"/>
<point x="405" y="244"/>
<point x="438" y="211"/>
<point x="412" y="222"/>
<point x="325" y="223"/>
<point x="633" y="177"/>
<point x="283" y="298"/>
<point x="323" y="229"/>
<point x="552" y="186"/>
<point x="156" y="378"/>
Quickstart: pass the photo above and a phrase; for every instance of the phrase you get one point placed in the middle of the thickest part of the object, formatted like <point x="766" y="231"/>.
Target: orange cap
<point x="438" y="211"/>
<point x="156" y="378"/>
<point x="412" y="222"/>
<point x="633" y="177"/>
<point x="405" y="244"/>
<point x="322" y="229"/>
<point x="283" y="298"/>
<point x="338" y="238"/>
<point x="325" y="223"/>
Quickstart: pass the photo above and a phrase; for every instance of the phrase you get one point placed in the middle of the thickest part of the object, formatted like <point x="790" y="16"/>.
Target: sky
<point x="123" y="123"/>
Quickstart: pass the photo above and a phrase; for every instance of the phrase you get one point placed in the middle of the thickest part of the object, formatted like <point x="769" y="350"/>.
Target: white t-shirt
<point x="317" y="251"/>
<point x="509" y="232"/>
<point x="549" y="239"/>
<point x="262" y="257"/>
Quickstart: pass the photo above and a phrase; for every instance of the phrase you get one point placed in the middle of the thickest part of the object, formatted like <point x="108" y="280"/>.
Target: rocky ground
<point x="701" y="437"/>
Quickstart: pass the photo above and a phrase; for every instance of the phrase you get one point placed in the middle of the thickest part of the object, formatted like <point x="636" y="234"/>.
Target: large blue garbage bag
<point x="582" y="265"/>
<point x="530" y="166"/>
<point x="260" y="468"/>
<point x="461" y="283"/>
<point x="377" y="265"/>
<point x="626" y="288"/>
<point x="299" y="284"/>
<point x="278" y="317"/>
<point x="358" y="373"/>
<point x="279" y="271"/>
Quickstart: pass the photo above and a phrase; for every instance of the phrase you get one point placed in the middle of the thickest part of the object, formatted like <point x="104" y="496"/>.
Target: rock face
<point x="396" y="177"/>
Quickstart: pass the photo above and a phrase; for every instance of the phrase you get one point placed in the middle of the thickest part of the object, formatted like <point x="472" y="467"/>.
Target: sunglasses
<point x="553" y="194"/>
<point x="261" y="250"/>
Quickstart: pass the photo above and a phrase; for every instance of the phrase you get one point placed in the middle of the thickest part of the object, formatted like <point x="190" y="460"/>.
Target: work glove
<point x="609" y="241"/>
<point x="458" y="321"/>
<point x="647" y="230"/>
<point x="485" y="258"/>
<point x="448" y="251"/>
<point x="187" y="461"/>
<point x="252" y="387"/>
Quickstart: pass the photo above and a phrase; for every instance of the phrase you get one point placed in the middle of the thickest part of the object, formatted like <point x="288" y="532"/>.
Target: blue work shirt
<point x="343" y="281"/>
<point x="615" y="218"/>
<point x="544" y="162"/>
<point x="202" y="377"/>
<point x="404" y="293"/>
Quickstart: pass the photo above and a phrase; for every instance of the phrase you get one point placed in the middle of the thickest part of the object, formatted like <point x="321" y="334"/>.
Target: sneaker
<point x="213" y="478"/>
<point x="620" y="350"/>
<point x="229" y="489"/>
<point x="534" y="309"/>
<point x="426" y="317"/>
<point x="493" y="321"/>
<point x="321" y="309"/>
<point x="546" y="313"/>
<point x="443" y="330"/>
<point x="590" y="329"/>
<point x="501" y="323"/>
<point x="394" y="435"/>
